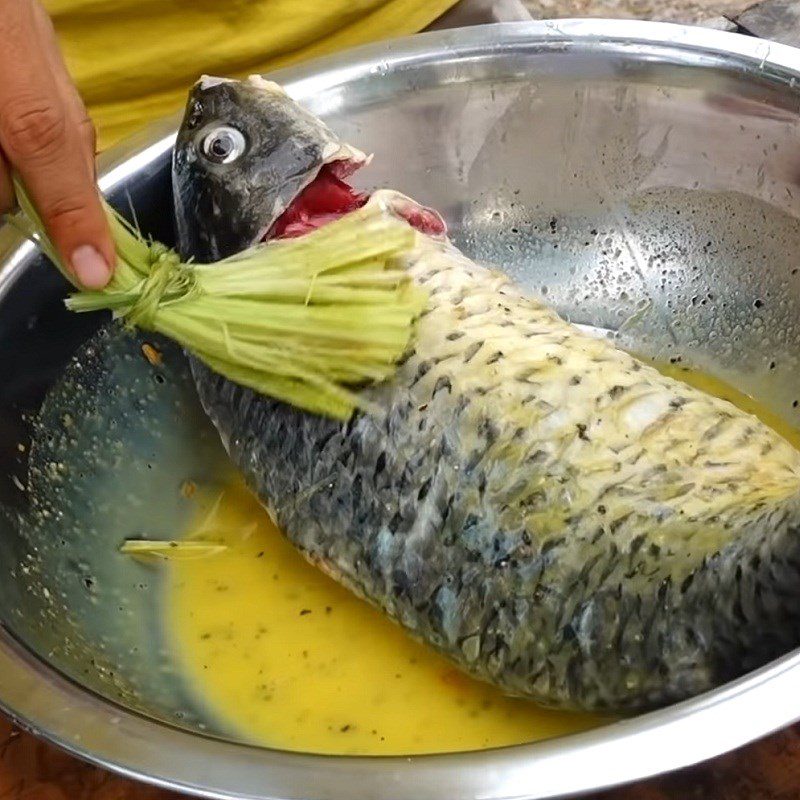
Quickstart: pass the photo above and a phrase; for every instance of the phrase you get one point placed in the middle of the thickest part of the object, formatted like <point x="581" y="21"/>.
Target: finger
<point x="7" y="201"/>
<point x="89" y="136"/>
<point x="39" y="140"/>
<point x="74" y="102"/>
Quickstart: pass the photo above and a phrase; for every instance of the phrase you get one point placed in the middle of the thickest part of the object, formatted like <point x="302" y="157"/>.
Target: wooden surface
<point x="767" y="770"/>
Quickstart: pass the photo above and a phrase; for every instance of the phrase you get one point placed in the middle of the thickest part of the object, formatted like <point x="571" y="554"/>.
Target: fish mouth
<point x="329" y="196"/>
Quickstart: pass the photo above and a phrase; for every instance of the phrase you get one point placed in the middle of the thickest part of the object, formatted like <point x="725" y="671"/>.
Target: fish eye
<point x="223" y="145"/>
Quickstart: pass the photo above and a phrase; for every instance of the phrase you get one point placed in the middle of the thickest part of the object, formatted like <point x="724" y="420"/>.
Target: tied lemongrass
<point x="307" y="321"/>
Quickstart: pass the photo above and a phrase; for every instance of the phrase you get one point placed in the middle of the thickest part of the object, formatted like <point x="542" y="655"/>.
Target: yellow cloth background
<point x="134" y="60"/>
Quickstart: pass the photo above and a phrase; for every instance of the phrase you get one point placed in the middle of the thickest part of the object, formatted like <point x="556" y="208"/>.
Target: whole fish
<point x="551" y="514"/>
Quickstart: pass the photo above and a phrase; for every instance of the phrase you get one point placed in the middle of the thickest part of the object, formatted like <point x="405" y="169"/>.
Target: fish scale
<point x="551" y="514"/>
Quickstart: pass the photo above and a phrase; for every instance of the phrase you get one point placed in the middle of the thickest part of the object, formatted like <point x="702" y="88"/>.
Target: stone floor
<point x="685" y="11"/>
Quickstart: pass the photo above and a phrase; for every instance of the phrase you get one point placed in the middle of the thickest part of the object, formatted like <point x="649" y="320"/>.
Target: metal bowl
<point x="644" y="176"/>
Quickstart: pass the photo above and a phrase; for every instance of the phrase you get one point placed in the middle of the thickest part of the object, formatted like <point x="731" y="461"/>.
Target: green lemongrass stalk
<point x="171" y="550"/>
<point x="306" y="320"/>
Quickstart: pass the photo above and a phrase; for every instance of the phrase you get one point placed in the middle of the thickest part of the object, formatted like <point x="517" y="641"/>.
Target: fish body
<point x="548" y="512"/>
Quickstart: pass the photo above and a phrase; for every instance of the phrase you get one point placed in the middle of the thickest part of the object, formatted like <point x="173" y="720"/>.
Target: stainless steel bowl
<point x="644" y="176"/>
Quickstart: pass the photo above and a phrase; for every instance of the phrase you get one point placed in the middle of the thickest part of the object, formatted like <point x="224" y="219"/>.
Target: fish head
<point x="251" y="165"/>
<point x="244" y="151"/>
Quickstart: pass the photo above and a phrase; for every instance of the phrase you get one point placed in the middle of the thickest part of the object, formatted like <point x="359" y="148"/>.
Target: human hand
<point x="47" y="137"/>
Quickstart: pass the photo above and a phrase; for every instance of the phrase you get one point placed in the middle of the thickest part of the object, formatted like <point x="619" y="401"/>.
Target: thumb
<point x="41" y="142"/>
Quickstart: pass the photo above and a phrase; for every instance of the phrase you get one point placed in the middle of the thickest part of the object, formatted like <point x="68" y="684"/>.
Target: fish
<point x="550" y="513"/>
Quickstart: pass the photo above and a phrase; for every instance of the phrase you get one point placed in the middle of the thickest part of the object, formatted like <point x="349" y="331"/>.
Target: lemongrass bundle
<point x="307" y="321"/>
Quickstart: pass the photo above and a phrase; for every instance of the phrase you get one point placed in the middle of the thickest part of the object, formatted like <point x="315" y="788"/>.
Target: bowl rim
<point x="41" y="700"/>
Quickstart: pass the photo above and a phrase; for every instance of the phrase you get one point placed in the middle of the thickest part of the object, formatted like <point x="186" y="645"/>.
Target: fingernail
<point x="90" y="267"/>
